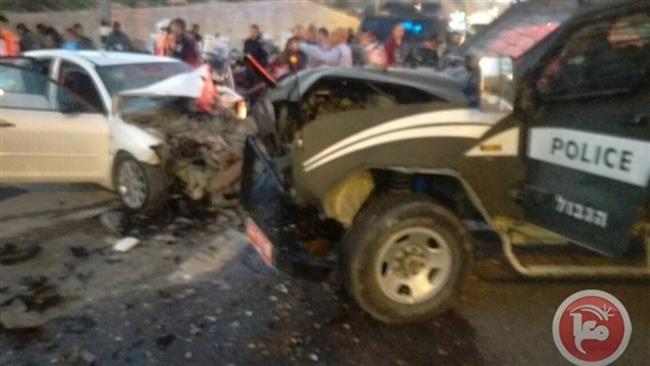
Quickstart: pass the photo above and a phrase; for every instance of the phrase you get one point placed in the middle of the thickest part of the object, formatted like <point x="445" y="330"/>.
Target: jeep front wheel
<point x="405" y="257"/>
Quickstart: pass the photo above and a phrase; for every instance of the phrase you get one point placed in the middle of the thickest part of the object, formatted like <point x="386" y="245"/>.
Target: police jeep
<point x="557" y="152"/>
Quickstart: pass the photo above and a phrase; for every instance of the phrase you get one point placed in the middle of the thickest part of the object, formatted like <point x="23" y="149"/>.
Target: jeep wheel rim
<point x="413" y="265"/>
<point x="132" y="186"/>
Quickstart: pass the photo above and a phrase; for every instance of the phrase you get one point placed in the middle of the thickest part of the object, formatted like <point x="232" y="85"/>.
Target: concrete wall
<point x="275" y="17"/>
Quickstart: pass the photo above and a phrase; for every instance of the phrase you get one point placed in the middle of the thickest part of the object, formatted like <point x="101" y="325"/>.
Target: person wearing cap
<point x="9" y="42"/>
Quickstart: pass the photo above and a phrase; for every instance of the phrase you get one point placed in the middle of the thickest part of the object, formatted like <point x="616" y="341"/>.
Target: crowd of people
<point x="307" y="46"/>
<point x="47" y="37"/>
<point x="174" y="39"/>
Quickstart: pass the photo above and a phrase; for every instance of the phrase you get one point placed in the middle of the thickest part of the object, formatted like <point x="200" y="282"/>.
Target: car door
<point x="588" y="147"/>
<point x="47" y="132"/>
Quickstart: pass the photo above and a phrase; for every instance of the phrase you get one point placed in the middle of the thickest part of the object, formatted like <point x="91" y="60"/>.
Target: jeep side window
<point x="609" y="56"/>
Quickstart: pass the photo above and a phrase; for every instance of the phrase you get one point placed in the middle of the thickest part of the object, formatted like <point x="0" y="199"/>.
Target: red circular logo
<point x="591" y="328"/>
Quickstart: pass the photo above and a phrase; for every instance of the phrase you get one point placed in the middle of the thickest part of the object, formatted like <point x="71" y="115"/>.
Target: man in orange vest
<point x="164" y="43"/>
<point x="9" y="42"/>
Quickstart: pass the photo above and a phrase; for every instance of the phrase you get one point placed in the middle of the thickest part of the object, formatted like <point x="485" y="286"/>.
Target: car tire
<point x="142" y="188"/>
<point x="405" y="257"/>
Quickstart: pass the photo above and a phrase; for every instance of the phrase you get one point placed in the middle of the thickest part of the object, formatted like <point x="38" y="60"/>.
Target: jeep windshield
<point x="520" y="28"/>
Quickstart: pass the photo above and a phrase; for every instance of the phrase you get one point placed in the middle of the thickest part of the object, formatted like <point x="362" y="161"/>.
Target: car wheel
<point x="405" y="257"/>
<point x="142" y="188"/>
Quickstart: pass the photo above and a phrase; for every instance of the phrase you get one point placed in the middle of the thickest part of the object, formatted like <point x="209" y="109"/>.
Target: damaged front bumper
<point x="290" y="238"/>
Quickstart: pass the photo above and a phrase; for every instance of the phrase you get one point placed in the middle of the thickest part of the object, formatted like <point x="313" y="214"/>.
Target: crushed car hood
<point x="447" y="85"/>
<point x="201" y="152"/>
<point x="187" y="85"/>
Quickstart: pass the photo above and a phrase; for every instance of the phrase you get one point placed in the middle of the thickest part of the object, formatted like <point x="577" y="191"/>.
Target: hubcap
<point x="132" y="186"/>
<point x="413" y="265"/>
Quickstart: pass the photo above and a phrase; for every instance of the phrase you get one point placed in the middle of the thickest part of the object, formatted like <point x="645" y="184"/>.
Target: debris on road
<point x="282" y="288"/>
<point x="32" y="293"/>
<point x="164" y="341"/>
<point x="16" y="316"/>
<point x="11" y="254"/>
<point x="211" y="319"/>
<point x="78" y="357"/>
<point x="113" y="221"/>
<point x="165" y="238"/>
<point x="88" y="357"/>
<point x="126" y="244"/>
<point x="79" y="252"/>
<point x="76" y="324"/>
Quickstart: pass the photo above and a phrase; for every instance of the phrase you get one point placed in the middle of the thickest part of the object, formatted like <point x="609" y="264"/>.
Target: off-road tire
<point x="156" y="185"/>
<point x="383" y="216"/>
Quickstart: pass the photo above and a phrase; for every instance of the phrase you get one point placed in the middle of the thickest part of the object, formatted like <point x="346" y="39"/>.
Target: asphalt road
<point x="205" y="298"/>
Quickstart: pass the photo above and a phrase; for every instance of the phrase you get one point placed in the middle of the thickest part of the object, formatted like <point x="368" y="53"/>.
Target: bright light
<point x="458" y="21"/>
<point x="412" y="27"/>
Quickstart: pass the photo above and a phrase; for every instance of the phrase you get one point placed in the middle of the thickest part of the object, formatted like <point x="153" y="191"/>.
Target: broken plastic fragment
<point x="125" y="244"/>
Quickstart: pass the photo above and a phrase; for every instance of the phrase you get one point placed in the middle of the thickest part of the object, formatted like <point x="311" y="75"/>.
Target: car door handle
<point x="5" y="123"/>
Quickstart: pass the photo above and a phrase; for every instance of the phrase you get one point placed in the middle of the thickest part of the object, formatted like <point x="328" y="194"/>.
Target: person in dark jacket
<point x="253" y="46"/>
<point x="28" y="41"/>
<point x="117" y="40"/>
<point x="184" y="46"/>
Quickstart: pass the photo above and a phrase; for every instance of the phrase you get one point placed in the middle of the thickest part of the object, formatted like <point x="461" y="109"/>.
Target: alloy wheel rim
<point x="132" y="185"/>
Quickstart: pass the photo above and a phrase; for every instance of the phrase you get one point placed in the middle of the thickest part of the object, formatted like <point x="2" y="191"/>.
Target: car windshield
<point x="118" y="78"/>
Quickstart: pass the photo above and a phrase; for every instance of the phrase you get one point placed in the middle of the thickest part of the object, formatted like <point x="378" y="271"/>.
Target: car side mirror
<point x="497" y="87"/>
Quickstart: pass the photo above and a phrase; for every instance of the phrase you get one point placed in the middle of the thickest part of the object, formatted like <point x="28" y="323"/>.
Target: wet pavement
<point x="193" y="292"/>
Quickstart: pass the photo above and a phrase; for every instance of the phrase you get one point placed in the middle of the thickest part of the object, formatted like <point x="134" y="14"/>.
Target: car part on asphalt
<point x="12" y="254"/>
<point x="126" y="244"/>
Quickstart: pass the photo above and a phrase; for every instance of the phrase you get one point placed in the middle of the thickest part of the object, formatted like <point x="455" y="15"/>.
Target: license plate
<point x="259" y="241"/>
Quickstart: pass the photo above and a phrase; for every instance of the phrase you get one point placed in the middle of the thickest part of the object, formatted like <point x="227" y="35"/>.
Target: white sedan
<point x="57" y="122"/>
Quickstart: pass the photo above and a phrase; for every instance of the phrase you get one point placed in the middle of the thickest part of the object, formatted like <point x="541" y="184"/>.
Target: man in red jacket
<point x="393" y="46"/>
<point x="9" y="42"/>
